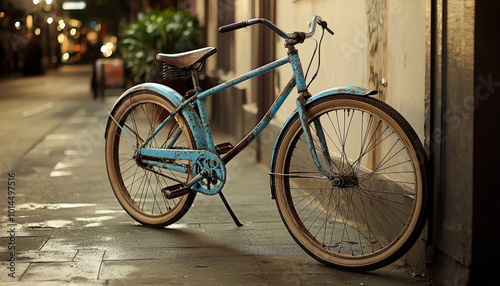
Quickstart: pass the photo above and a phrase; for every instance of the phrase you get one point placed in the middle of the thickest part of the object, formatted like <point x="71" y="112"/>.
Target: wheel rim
<point x="136" y="186"/>
<point x="373" y="214"/>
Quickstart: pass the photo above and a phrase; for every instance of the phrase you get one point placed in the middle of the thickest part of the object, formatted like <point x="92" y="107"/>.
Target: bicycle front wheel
<point x="376" y="211"/>
<point x="138" y="187"/>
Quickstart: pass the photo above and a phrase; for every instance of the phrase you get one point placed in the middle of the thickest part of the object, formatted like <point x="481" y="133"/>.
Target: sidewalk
<point x="70" y="229"/>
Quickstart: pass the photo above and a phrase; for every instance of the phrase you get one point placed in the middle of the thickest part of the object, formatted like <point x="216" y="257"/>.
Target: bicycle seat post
<point x="194" y="77"/>
<point x="196" y="85"/>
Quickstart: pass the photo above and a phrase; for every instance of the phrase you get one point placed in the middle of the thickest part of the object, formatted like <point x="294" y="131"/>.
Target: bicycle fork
<point x="332" y="173"/>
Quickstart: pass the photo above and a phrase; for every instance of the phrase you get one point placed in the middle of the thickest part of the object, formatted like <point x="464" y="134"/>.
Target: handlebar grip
<point x="233" y="26"/>
<point x="324" y="25"/>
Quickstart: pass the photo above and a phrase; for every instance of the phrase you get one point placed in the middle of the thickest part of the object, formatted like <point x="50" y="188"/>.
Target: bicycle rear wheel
<point x="138" y="187"/>
<point x="378" y="210"/>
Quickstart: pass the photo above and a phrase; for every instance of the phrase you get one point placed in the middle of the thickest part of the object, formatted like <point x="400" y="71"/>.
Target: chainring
<point x="216" y="179"/>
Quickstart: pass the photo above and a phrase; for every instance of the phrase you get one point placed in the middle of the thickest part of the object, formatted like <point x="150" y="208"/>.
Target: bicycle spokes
<point x="376" y="198"/>
<point x="138" y="181"/>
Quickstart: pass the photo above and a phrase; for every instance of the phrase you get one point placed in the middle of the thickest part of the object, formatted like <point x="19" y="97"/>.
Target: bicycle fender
<point x="348" y="89"/>
<point x="355" y="90"/>
<point x="171" y="95"/>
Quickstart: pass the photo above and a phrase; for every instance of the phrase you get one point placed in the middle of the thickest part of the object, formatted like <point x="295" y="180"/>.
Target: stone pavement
<point x="69" y="228"/>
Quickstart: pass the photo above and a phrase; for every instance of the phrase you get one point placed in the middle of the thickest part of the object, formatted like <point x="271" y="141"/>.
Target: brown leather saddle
<point x="186" y="59"/>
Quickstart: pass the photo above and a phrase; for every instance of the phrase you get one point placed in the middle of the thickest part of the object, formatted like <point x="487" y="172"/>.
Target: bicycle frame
<point x="198" y="100"/>
<point x="203" y="132"/>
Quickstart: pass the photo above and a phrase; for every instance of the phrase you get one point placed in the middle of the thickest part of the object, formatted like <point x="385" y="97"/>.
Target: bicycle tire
<point x="138" y="187"/>
<point x="380" y="210"/>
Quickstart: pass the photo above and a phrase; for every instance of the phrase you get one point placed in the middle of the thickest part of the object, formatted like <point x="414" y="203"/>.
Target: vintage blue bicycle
<point x="348" y="172"/>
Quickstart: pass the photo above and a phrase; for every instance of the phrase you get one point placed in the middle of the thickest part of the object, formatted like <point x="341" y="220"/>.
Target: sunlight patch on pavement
<point x="56" y="223"/>
<point x="55" y="174"/>
<point x="109" y="211"/>
<point x="94" y="219"/>
<point x="178" y="226"/>
<point x="34" y="206"/>
<point x="38" y="109"/>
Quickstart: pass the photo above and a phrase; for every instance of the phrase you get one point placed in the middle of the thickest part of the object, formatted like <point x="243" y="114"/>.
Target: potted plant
<point x="157" y="31"/>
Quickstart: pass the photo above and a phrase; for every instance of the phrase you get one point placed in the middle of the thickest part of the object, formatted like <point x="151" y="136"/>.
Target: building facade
<point x="425" y="58"/>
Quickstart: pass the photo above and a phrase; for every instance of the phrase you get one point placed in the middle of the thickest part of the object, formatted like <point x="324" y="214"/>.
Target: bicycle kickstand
<point x="235" y="219"/>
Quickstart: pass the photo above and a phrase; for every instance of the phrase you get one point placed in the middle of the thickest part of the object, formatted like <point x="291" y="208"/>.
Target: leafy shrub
<point x="155" y="32"/>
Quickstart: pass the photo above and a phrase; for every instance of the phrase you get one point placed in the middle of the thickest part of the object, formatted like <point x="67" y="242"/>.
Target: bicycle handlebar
<point x="315" y="20"/>
<point x="265" y="22"/>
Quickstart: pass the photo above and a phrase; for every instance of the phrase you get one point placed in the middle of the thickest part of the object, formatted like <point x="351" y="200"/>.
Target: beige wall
<point x="374" y="39"/>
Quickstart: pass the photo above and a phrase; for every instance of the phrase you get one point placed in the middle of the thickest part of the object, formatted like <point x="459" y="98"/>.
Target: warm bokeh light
<point x="29" y="22"/>
<point x="92" y="37"/>
<point x="75" y="23"/>
<point x="65" y="57"/>
<point x="106" y="51"/>
<point x="60" y="38"/>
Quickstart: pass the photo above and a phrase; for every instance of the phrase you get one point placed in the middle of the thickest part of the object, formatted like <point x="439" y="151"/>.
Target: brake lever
<point x="324" y="25"/>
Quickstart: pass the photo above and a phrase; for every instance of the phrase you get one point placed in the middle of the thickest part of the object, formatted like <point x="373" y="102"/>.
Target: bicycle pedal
<point x="175" y="191"/>
<point x="223" y="148"/>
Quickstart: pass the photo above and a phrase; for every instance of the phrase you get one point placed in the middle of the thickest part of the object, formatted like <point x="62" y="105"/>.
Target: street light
<point x="74" y="5"/>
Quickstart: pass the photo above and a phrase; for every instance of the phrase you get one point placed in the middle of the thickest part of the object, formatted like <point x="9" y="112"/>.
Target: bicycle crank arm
<point x="178" y="190"/>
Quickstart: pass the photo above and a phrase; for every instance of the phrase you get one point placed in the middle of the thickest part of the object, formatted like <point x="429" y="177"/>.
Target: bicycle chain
<point x="150" y="169"/>
<point x="163" y="175"/>
<point x="168" y="177"/>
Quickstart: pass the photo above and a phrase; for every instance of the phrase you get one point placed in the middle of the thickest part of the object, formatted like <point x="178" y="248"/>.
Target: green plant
<point x="156" y="31"/>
